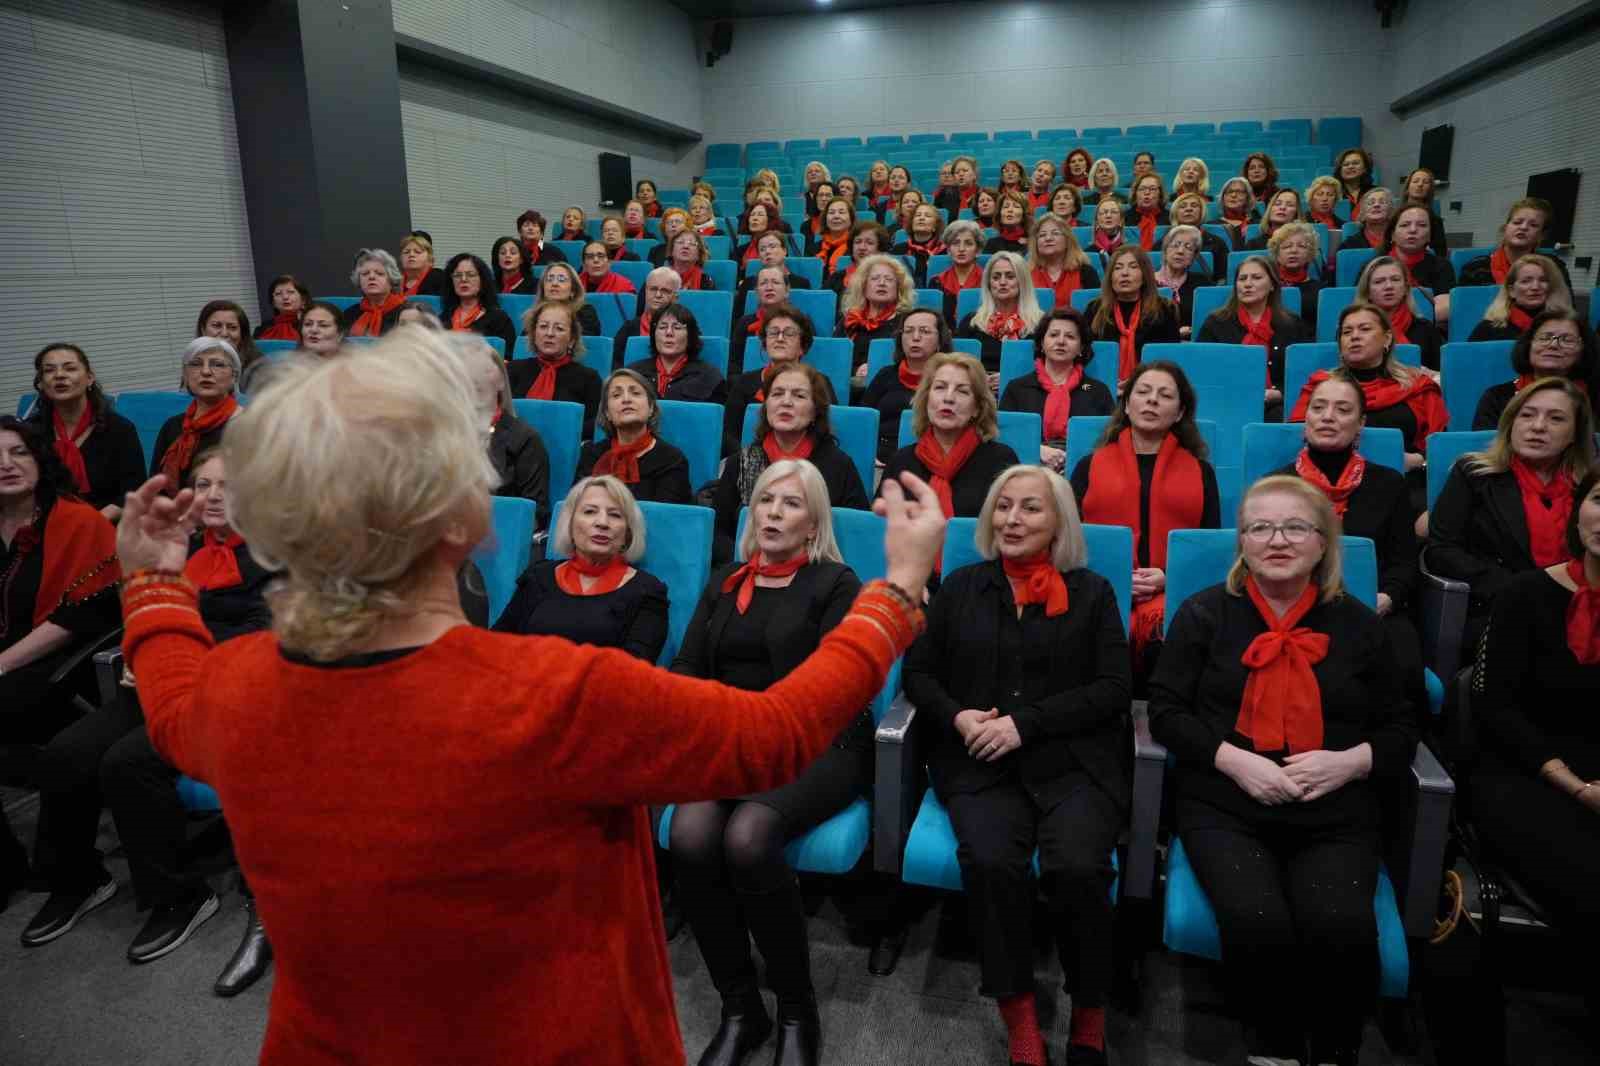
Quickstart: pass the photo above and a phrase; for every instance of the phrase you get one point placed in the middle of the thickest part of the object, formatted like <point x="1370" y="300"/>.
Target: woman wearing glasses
<point x="471" y="303"/>
<point x="211" y="376"/>
<point x="1557" y="344"/>
<point x="786" y="334"/>
<point x="923" y="333"/>
<point x="1278" y="695"/>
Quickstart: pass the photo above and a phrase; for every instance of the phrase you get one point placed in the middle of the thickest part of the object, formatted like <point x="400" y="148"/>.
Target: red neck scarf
<point x="622" y="460"/>
<point x="1105" y="242"/>
<point x="1583" y="616"/>
<point x="690" y="277"/>
<point x="1064" y="284"/>
<point x="1036" y="580"/>
<point x="180" y="453"/>
<point x="370" y="322"/>
<point x="1524" y="380"/>
<point x="1127" y="330"/>
<point x="1519" y="318"/>
<point x="644" y="324"/>
<point x="617" y="253"/>
<point x="707" y="229"/>
<point x="1422" y="395"/>
<point x="1037" y="200"/>
<point x="750" y="250"/>
<point x="1294" y="277"/>
<point x="1058" y="399"/>
<point x="951" y="283"/>
<point x="1400" y="320"/>
<point x="923" y="249"/>
<point x="1329" y="220"/>
<point x="67" y="446"/>
<point x="1546" y="506"/>
<point x="509" y="282"/>
<point x="410" y="285"/>
<point x="533" y="249"/>
<point x="570" y="575"/>
<point x="966" y="195"/>
<point x="1236" y="219"/>
<point x="831" y="248"/>
<point x="665" y="375"/>
<point x="1282" y="705"/>
<point x="1374" y="240"/>
<point x="908" y="377"/>
<point x="776" y="454"/>
<point x="462" y="318"/>
<point x="1080" y="180"/>
<point x="864" y="319"/>
<point x="1016" y="234"/>
<point x="1410" y="261"/>
<point x="216" y="565"/>
<point x="544" y="386"/>
<point x="609" y="282"/>
<point x="758" y="323"/>
<point x="80" y="556"/>
<point x="633" y="233"/>
<point x="944" y="467"/>
<point x="744" y="578"/>
<point x="1258" y="331"/>
<point x="1005" y="325"/>
<point x="1338" y="493"/>
<point x="1147" y="229"/>
<point x="652" y="209"/>
<point x="1177" y="491"/>
<point x="285" y="327"/>
<point x="572" y="235"/>
<point x="1500" y="265"/>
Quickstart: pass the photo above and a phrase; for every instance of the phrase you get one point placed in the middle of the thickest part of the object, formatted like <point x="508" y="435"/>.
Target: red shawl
<point x="1500" y="265"/>
<point x="864" y="319"/>
<point x="1583" y="616"/>
<point x="611" y="281"/>
<point x="1015" y="234"/>
<point x="908" y="377"/>
<point x="66" y="443"/>
<point x="933" y="246"/>
<point x="1148" y="220"/>
<point x="690" y="277"/>
<point x="285" y="327"/>
<point x="1065" y="284"/>
<point x="1036" y="580"/>
<point x="1107" y="242"/>
<point x="1282" y="704"/>
<point x="831" y="248"/>
<point x="775" y="453"/>
<point x="1037" y="200"/>
<point x="462" y="318"/>
<point x="510" y="282"/>
<point x="1127" y="333"/>
<point x="370" y="322"/>
<point x="1422" y="395"/>
<point x="622" y="460"/>
<point x="80" y="557"/>
<point x="544" y="386"/>
<point x="665" y="376"/>
<point x="951" y="284"/>
<point x="944" y="467"/>
<point x="1520" y="319"/>
<point x="1546" y="505"/>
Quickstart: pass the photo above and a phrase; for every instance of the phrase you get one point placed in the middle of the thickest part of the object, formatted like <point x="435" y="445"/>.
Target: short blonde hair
<point x="823" y="547"/>
<point x="420" y="241"/>
<point x="1288" y="232"/>
<point x="1558" y="297"/>
<point x="1072" y="257"/>
<point x="382" y="452"/>
<point x="632" y="515"/>
<point x="1172" y="208"/>
<point x="1327" y="181"/>
<point x="1202" y="187"/>
<point x="1068" y="551"/>
<point x="1361" y="205"/>
<point x="906" y="297"/>
<point x="986" y="419"/>
<point x="530" y="319"/>
<point x="1329" y="572"/>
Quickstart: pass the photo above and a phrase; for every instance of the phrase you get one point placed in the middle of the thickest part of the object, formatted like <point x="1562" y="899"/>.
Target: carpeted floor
<point x="77" y="1002"/>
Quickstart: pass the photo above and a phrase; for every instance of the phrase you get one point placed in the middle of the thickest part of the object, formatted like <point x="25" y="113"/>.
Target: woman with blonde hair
<point x="1533" y="286"/>
<point x="561" y="283"/>
<point x="419" y="276"/>
<point x="701" y="216"/>
<point x="1130" y="308"/>
<point x="1008" y="309"/>
<point x="1193" y="177"/>
<point x="1108" y="233"/>
<point x="955" y="421"/>
<point x="1189" y="209"/>
<point x="554" y="373"/>
<point x="1279" y="697"/>
<point x="1294" y="251"/>
<point x="880" y="291"/>
<point x="1321" y="196"/>
<point x="1520" y="235"/>
<point x="384" y="449"/>
<point x="1056" y="261"/>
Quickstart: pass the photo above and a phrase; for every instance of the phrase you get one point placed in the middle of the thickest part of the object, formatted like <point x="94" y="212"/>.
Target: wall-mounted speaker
<point x="616" y="179"/>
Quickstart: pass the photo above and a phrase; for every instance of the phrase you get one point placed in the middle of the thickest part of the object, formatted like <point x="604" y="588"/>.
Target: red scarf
<point x="644" y="324"/>
<point x="216" y="564"/>
<point x="1015" y="234"/>
<point x="1583" y="616"/>
<point x="908" y="377"/>
<point x="633" y="233"/>
<point x="569" y="575"/>
<point x="1546" y="506"/>
<point x="1524" y="380"/>
<point x="544" y="386"/>
<point x="933" y="246"/>
<point x="864" y="319"/>
<point x="691" y="277"/>
<point x="951" y="284"/>
<point x="509" y="282"/>
<point x="776" y="454"/>
<point x="652" y="209"/>
<point x="370" y="322"/>
<point x="665" y="377"/>
<point x="1500" y="265"/>
<point x="1519" y="318"/>
<point x="80" y="556"/>
<point x="409" y="286"/>
<point x="1037" y="200"/>
<point x="1282" y="704"/>
<point x="180" y="453"/>
<point x="621" y="461"/>
<point x="1374" y="240"/>
<point x="944" y="467"/>
<point x="1147" y="229"/>
<point x="1294" y="277"/>
<point x="1259" y="331"/>
<point x="1422" y="395"/>
<point x="617" y="253"/>
<point x="966" y="195"/>
<point x="1338" y="493"/>
<point x="1036" y="580"/>
<point x="1005" y="325"/>
<point x="461" y="319"/>
<point x="1106" y="242"/>
<point x="533" y="251"/>
<point x="1127" y="330"/>
<point x="1065" y="284"/>
<point x="707" y="229"/>
<point x="1058" y="399"/>
<point x="285" y="327"/>
<point x="1400" y="320"/>
<point x="1081" y="180"/>
<point x="1236" y="219"/>
<point x="1329" y="220"/>
<point x="609" y="282"/>
<point x="67" y="446"/>
<point x="758" y="323"/>
<point x="831" y="248"/>
<point x="750" y="250"/>
<point x="744" y="578"/>
<point x="1410" y="262"/>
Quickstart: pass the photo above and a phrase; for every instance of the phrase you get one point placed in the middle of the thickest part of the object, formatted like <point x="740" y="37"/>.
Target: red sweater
<point x="450" y="850"/>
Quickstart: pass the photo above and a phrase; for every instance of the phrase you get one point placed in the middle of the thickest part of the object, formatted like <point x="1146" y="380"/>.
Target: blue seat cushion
<point x="930" y="857"/>
<point x="1435" y="692"/>
<point x="1190" y="925"/>
<point x="196" y="796"/>
<point x="834" y="847"/>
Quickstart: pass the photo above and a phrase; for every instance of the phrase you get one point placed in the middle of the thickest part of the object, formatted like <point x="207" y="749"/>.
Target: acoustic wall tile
<point x="150" y="38"/>
<point x="188" y="128"/>
<point x="55" y="116"/>
<point x="34" y="238"/>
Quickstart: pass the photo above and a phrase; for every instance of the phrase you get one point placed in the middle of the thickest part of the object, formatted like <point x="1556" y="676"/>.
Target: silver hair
<point x="632" y="514"/>
<point x="823" y="547"/>
<point x="379" y="255"/>
<point x="201" y="345"/>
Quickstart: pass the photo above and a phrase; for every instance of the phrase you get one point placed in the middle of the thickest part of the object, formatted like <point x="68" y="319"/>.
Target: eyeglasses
<point x="788" y="334"/>
<point x="462" y="275"/>
<point x="1294" y="531"/>
<point x="216" y="365"/>
<point x="1555" y="340"/>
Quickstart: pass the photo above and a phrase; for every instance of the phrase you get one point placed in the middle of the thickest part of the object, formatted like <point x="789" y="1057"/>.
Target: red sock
<point x="1022" y="1023"/>
<point x="1088" y="1027"/>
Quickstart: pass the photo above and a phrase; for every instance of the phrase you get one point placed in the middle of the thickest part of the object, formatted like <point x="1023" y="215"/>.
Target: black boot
<point x="799" y="1036"/>
<point x="745" y="1027"/>
<point x="250" y="960"/>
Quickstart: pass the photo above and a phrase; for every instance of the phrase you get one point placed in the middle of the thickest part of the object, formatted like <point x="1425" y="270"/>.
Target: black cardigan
<point x="821" y="594"/>
<point x="519" y="457"/>
<point x="1026" y="394"/>
<point x="575" y="383"/>
<point x="1083" y="722"/>
<point x="1380" y="508"/>
<point x="1221" y="328"/>
<point x="697" y="381"/>
<point x="988" y="345"/>
<point x="1163" y="330"/>
<point x="1478" y="272"/>
<point x="1199" y="683"/>
<point x="1492" y="404"/>
<point x="632" y="617"/>
<point x="838" y="472"/>
<point x="1488" y="331"/>
<point x="434" y="283"/>
<point x="663" y="471"/>
<point x="1478" y="533"/>
<point x="494" y="323"/>
<point x="889" y="396"/>
<point x="971" y="485"/>
<point x="1434" y="273"/>
<point x="112" y="456"/>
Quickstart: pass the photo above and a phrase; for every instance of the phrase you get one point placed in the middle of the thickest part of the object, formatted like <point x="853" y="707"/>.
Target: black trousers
<point x="997" y="830"/>
<point x="1292" y="888"/>
<point x="31" y="712"/>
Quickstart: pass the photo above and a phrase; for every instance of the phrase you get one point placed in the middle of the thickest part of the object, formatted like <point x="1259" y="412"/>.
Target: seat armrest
<point x="897" y="775"/>
<point x="1442" y="606"/>
<point x="108" y="674"/>
<point x="1149" y="774"/>
<point x="82" y="653"/>
<point x="1433" y="796"/>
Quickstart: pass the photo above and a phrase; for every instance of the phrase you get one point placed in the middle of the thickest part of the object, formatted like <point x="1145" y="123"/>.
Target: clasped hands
<point x="1303" y="777"/>
<point x="987" y="734"/>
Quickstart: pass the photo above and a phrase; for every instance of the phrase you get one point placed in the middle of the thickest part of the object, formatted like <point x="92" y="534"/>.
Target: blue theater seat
<point x="1016" y="359"/>
<point x="1269" y="446"/>
<point x="1467" y="306"/>
<point x="559" y="424"/>
<point x="1466" y="368"/>
<point x="504" y="554"/>
<point x="855" y="428"/>
<point x="831" y="355"/>
<point x="712" y="308"/>
<point x="148" y="411"/>
<point x="694" y="429"/>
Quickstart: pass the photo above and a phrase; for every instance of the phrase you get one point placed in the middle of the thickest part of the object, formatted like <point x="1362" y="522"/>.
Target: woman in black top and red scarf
<point x="554" y="372"/>
<point x="1013" y="223"/>
<point x="1354" y="171"/>
<point x="1407" y="241"/>
<point x="512" y="274"/>
<point x="1058" y="388"/>
<point x="1254" y="314"/>
<point x="419" y="277"/>
<point x="631" y="451"/>
<point x="99" y="448"/>
<point x="957" y="452"/>
<point x="880" y="291"/>
<point x="377" y="277"/>
<point x="922" y="335"/>
<point x="530" y="227"/>
<point x="471" y="303"/>
<point x="785" y="334"/>
<point x="833" y="242"/>
<point x="1130" y="310"/>
<point x="921" y="240"/>
<point x="674" y="367"/>
<point x="1556" y="344"/>
<point x="1278" y="697"/>
<point x="1533" y="286"/>
<point x="289" y="301"/>
<point x="1148" y="209"/>
<point x="961" y="240"/>
<point x="210" y="375"/>
<point x="1262" y="174"/>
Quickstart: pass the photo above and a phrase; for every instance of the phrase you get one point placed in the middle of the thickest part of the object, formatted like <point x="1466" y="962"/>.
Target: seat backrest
<point x="1467" y="306"/>
<point x="724" y="274"/>
<point x="931" y="299"/>
<point x="1443" y="451"/>
<point x="1466" y="368"/>
<point x="1460" y="257"/>
<point x="678" y="551"/>
<point x="614" y="308"/>
<point x="712" y="308"/>
<point x="559" y="424"/>
<point x="1303" y="360"/>
<point x="821" y="305"/>
<point x="831" y="355"/>
<point x="148" y="410"/>
<point x="1200" y="558"/>
<point x="696" y="430"/>
<point x="855" y="428"/>
<point x="504" y="553"/>
<point x="713" y="350"/>
<point x="1207" y="299"/>
<point x="516" y="304"/>
<point x="1228" y="380"/>
<point x="880" y="353"/>
<point x="272" y="349"/>
<point x="1110" y="555"/>
<point x="1268" y="446"/>
<point x="1351" y="261"/>
<point x="342" y="302"/>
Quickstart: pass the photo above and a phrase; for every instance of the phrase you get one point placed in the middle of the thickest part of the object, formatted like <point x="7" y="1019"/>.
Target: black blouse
<point x="888" y="394"/>
<point x="233" y="612"/>
<point x="1026" y="394"/>
<point x="1478" y="533"/>
<point x="1492" y="404"/>
<point x="1064" y="681"/>
<point x="742" y="391"/>
<point x="113" y="457"/>
<point x="518" y="455"/>
<point x="971" y="484"/>
<point x="575" y="383"/>
<point x="663" y="471"/>
<point x="632" y="617"/>
<point x="861" y="340"/>
<point x="1379" y="508"/>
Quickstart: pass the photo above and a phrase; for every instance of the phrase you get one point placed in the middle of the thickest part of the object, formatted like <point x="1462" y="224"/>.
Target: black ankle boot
<point x="799" y="1036"/>
<point x="745" y="1027"/>
<point x="251" y="958"/>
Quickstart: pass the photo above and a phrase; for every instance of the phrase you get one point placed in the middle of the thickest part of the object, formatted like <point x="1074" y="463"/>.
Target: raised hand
<point x="914" y="539"/>
<point x="154" y="531"/>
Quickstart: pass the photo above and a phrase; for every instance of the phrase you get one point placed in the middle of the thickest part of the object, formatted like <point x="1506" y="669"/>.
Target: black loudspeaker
<point x="616" y="179"/>
<point x="722" y="38"/>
